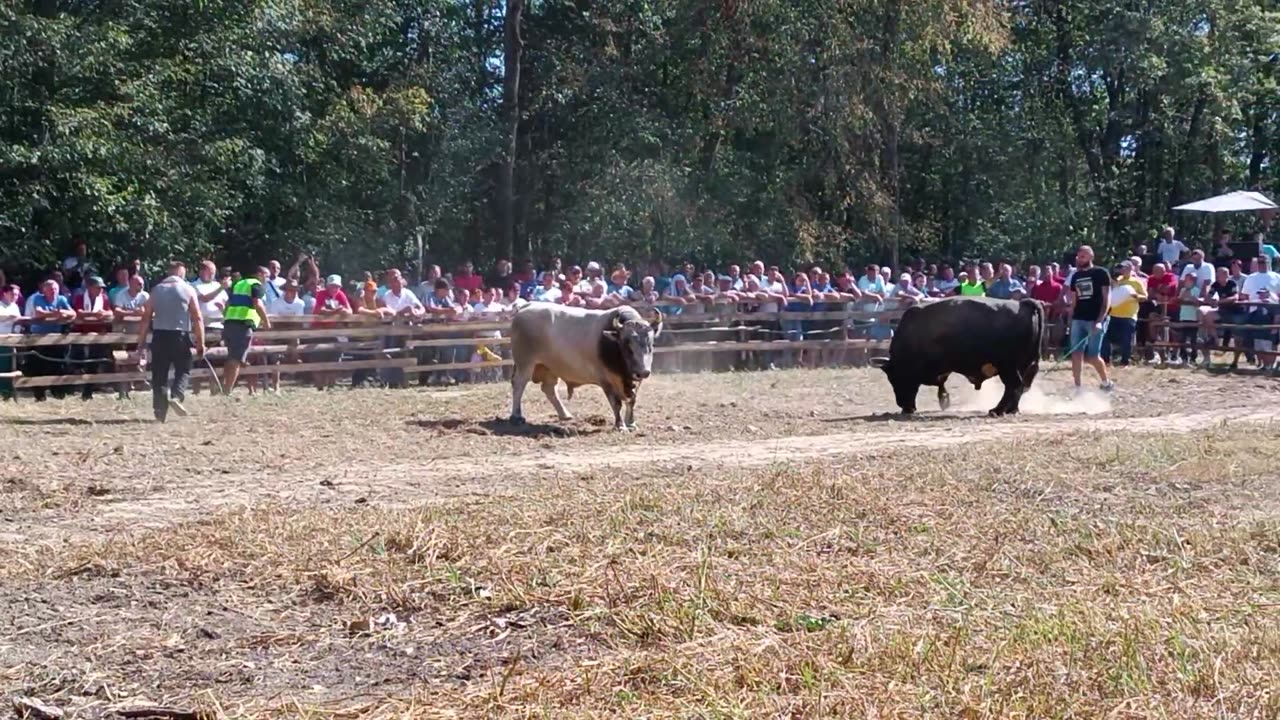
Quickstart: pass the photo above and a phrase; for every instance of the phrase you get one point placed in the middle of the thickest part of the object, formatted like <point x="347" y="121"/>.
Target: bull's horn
<point x="617" y="322"/>
<point x="656" y="324"/>
<point x="878" y="362"/>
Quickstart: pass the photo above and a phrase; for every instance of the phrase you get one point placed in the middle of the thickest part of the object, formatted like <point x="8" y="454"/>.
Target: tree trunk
<point x="513" y="49"/>
<point x="889" y="127"/>
<point x="1258" y="156"/>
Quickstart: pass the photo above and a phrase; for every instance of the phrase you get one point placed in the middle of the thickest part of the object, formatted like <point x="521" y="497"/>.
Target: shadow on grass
<point x="49" y="422"/>
<point x="915" y="418"/>
<point x="504" y="428"/>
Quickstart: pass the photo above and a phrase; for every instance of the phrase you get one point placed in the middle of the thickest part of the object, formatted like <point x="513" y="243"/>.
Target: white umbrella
<point x="1238" y="201"/>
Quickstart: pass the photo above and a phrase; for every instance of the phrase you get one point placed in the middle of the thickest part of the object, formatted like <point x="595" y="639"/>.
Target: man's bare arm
<point x="197" y="325"/>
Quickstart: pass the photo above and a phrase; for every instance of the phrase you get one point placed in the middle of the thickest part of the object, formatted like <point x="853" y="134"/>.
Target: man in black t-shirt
<point x="1090" y="302"/>
<point x="1222" y="296"/>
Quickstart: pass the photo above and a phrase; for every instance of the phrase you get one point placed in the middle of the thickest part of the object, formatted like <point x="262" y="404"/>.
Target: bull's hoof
<point x="517" y="420"/>
<point x="908" y="411"/>
<point x="996" y="412"/>
<point x="622" y="428"/>
<point x="566" y="418"/>
<point x="944" y="404"/>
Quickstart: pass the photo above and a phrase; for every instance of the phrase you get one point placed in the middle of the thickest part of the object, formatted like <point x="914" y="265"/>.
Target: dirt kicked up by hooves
<point x="1035" y="401"/>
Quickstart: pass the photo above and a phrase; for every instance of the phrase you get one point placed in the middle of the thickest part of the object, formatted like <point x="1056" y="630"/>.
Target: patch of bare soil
<point x="71" y="469"/>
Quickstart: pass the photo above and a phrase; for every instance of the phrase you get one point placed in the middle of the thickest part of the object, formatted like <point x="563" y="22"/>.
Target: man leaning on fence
<point x="172" y="313"/>
<point x="50" y="313"/>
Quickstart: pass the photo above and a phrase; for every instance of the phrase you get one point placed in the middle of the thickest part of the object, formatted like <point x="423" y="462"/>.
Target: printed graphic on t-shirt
<point x="1084" y="288"/>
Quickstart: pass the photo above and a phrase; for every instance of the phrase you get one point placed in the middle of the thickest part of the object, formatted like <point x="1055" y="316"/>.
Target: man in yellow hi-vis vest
<point x="245" y="313"/>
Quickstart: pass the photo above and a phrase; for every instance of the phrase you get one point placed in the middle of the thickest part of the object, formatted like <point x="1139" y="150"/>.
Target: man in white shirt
<point x="548" y="291"/>
<point x="274" y="285"/>
<point x="211" y="293"/>
<point x="1263" y="287"/>
<point x="873" y="289"/>
<point x="404" y="304"/>
<point x="9" y="312"/>
<point x="1170" y="248"/>
<point x="1202" y="270"/>
<point x="288" y="304"/>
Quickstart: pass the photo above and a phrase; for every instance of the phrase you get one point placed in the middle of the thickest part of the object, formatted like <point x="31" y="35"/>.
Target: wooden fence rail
<point x="370" y="343"/>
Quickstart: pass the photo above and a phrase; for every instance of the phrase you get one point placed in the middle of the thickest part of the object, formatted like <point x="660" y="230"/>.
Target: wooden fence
<point x="720" y="337"/>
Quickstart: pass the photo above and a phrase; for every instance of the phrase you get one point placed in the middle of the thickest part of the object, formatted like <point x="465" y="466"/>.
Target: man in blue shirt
<point x="50" y="314"/>
<point x="1006" y="285"/>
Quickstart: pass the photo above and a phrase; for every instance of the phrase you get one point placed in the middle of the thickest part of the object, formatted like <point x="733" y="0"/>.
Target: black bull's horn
<point x="878" y="362"/>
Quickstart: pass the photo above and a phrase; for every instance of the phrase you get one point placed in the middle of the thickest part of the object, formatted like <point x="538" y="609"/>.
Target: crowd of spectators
<point x="1204" y="294"/>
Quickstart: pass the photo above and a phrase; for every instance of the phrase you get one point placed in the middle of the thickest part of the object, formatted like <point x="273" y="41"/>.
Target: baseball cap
<point x="593" y="266"/>
<point x="333" y="280"/>
<point x="93" y="280"/>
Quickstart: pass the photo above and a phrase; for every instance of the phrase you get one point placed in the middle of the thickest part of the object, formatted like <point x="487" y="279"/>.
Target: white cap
<point x="334" y="280"/>
<point x="593" y="265"/>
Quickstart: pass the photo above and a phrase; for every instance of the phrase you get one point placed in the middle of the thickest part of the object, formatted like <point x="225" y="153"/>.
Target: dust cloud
<point x="1056" y="400"/>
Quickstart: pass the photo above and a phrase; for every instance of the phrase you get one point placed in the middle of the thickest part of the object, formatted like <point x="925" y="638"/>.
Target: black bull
<point x="975" y="337"/>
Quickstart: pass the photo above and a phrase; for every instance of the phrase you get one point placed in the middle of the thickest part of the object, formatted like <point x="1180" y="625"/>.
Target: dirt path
<point x="396" y="484"/>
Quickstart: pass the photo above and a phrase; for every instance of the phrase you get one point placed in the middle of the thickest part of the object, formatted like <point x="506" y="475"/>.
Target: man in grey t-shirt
<point x="172" y="314"/>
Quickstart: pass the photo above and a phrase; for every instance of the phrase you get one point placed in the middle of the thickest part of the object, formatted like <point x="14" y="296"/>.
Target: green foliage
<point x="795" y="130"/>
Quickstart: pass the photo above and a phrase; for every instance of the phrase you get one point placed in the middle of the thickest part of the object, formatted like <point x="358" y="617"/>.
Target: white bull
<point x="609" y="348"/>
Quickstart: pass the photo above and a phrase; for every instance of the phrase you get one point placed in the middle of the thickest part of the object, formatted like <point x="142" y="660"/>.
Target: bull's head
<point x="904" y="390"/>
<point x="635" y="338"/>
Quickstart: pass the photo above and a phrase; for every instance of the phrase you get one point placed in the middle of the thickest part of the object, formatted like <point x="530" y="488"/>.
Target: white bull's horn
<point x="617" y="322"/>
<point x="878" y="362"/>
<point x="657" y="321"/>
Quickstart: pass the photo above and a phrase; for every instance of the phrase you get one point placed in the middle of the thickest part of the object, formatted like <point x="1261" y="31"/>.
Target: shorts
<point x="1080" y="329"/>
<point x="237" y="337"/>
<point x="1261" y="338"/>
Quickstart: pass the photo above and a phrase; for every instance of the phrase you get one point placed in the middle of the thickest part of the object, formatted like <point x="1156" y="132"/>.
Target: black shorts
<point x="237" y="336"/>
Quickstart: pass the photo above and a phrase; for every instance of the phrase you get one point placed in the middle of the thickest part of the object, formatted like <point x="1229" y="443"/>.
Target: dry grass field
<point x="768" y="545"/>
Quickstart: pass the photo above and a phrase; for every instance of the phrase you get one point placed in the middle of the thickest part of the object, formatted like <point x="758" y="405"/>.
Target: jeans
<point x="1187" y="338"/>
<point x="7" y="364"/>
<point x="169" y="349"/>
<point x="43" y="361"/>
<point x="93" y="358"/>
<point x="1120" y="332"/>
<point x="1081" y="329"/>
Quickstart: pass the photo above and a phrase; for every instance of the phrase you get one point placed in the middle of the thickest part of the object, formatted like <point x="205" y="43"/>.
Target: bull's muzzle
<point x="642" y="374"/>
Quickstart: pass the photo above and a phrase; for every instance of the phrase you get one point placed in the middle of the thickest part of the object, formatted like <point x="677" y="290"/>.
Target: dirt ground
<point x="75" y="469"/>
<point x="390" y="553"/>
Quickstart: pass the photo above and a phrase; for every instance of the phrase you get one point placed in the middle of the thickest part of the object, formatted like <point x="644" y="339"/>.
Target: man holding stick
<point x="172" y="313"/>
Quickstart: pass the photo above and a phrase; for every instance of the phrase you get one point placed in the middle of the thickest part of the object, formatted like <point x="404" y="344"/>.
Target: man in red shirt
<point x="467" y="279"/>
<point x="1048" y="291"/>
<point x="93" y="315"/>
<point x="1162" y="294"/>
<point x="332" y="300"/>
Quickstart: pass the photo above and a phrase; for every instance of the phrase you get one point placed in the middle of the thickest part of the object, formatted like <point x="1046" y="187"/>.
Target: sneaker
<point x="177" y="408"/>
<point x="1108" y="386"/>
